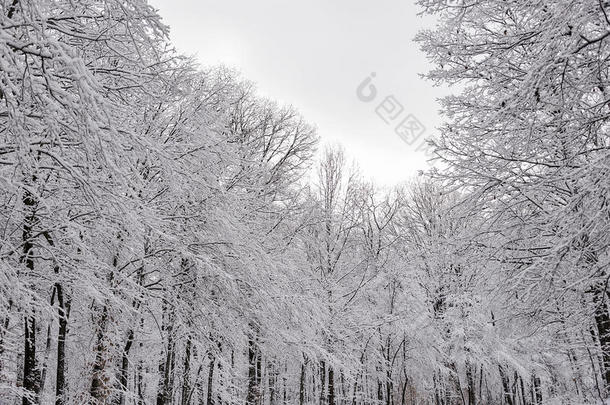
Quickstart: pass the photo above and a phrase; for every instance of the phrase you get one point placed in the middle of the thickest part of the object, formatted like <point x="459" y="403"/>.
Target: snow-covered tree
<point x="527" y="137"/>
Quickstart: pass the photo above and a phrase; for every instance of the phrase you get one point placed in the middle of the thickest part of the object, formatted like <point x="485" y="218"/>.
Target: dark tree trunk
<point x="100" y="386"/>
<point x="166" y="371"/>
<point x="470" y="378"/>
<point x="124" y="372"/>
<point x="31" y="374"/>
<point x="522" y="390"/>
<point x="389" y="388"/>
<point x="355" y="390"/>
<point x="63" y="312"/>
<point x="343" y="388"/>
<point x="438" y="397"/>
<point x="210" y="397"/>
<point x="99" y="390"/>
<point x="272" y="383"/>
<point x="602" y="321"/>
<point x="31" y="378"/>
<point x="259" y="371"/>
<point x="302" y="383"/>
<point x="139" y="371"/>
<point x="199" y="387"/>
<point x="331" y="386"/>
<point x="284" y="390"/>
<point x="388" y="366"/>
<point x="220" y="382"/>
<point x="186" y="372"/>
<point x="166" y="365"/>
<point x="253" y="372"/>
<point x="481" y="384"/>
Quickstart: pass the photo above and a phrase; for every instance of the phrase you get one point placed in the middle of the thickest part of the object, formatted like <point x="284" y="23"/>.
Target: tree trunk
<point x="166" y="365"/>
<point x="63" y="312"/>
<point x="125" y="368"/>
<point x="355" y="390"/>
<point x="481" y="384"/>
<point x="186" y="371"/>
<point x="602" y="321"/>
<point x="99" y="389"/>
<point x="284" y="389"/>
<point x="210" y="398"/>
<point x="139" y="370"/>
<point x="331" y="386"/>
<point x="389" y="387"/>
<point x="253" y="372"/>
<point x="31" y="376"/>
<point x="522" y="391"/>
<point x="272" y="383"/>
<point x="343" y="389"/>
<point x="302" y="384"/>
<point x="166" y="371"/>
<point x="220" y="382"/>
<point x="438" y="397"/>
<point x="470" y="380"/>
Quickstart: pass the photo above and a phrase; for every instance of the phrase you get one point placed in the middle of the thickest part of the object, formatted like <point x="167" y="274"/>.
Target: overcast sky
<point x="313" y="54"/>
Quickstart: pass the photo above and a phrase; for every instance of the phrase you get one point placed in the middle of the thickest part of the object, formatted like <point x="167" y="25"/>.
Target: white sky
<point x="313" y="54"/>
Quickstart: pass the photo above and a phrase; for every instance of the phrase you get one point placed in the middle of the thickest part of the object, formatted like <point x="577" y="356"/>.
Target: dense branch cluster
<point x="163" y="239"/>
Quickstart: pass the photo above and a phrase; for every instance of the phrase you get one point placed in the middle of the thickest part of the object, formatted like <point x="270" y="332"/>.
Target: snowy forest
<point x="170" y="236"/>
